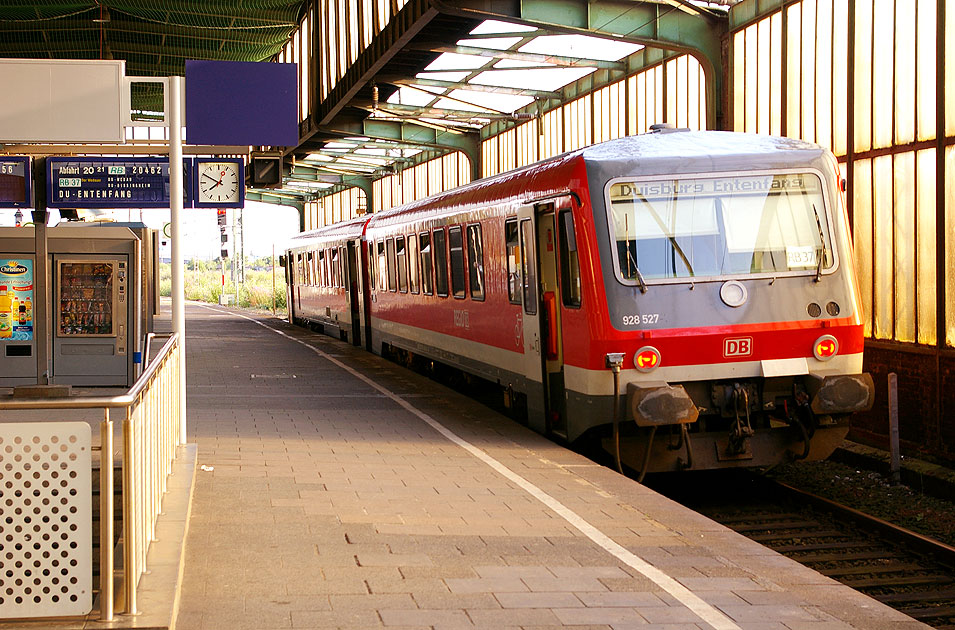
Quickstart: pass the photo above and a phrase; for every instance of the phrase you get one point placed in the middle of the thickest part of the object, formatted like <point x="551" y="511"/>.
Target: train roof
<point x="669" y="151"/>
<point x="344" y="230"/>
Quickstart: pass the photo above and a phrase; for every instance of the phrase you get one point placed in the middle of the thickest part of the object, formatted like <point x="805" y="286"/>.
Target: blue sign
<point x="112" y="182"/>
<point x="15" y="182"/>
<point x="241" y="103"/>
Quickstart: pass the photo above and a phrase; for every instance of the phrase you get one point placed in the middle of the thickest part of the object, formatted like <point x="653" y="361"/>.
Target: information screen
<point x="112" y="182"/>
<point x="15" y="182"/>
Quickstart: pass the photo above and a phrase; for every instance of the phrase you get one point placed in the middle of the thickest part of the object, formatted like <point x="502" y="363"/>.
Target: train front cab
<point x="731" y="367"/>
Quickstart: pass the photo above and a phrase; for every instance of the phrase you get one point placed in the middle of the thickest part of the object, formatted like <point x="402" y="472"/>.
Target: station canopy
<point x="456" y="76"/>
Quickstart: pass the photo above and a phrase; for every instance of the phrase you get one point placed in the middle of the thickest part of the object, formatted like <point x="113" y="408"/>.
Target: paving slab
<point x="337" y="490"/>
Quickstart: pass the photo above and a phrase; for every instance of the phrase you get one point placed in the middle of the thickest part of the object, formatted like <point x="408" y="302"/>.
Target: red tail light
<point x="825" y="347"/>
<point x="646" y="358"/>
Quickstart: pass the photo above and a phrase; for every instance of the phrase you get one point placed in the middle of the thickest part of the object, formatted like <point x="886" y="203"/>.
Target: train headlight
<point x="646" y="358"/>
<point x="825" y="347"/>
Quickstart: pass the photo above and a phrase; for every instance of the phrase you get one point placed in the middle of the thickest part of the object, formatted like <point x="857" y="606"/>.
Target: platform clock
<point x="219" y="183"/>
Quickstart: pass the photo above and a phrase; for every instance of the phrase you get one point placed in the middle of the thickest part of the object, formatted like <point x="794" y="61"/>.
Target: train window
<point x="512" y="243"/>
<point x="440" y="263"/>
<point x="343" y="266"/>
<point x="413" y="263"/>
<point x="402" y="260"/>
<point x="426" y="275"/>
<point x="390" y="250"/>
<point x="475" y="262"/>
<point x="711" y="227"/>
<point x="569" y="261"/>
<point x="308" y="268"/>
<point x="382" y="267"/>
<point x="529" y="266"/>
<point x="456" y="245"/>
<point x="336" y="269"/>
<point x="371" y="265"/>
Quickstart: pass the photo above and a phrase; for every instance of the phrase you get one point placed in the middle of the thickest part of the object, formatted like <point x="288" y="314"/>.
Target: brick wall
<point x="926" y="420"/>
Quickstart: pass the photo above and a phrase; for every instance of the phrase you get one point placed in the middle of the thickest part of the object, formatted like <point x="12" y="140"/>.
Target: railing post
<point x="129" y="516"/>
<point x="106" y="517"/>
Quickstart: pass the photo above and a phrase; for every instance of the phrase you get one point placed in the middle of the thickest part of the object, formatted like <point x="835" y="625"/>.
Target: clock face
<point x="218" y="182"/>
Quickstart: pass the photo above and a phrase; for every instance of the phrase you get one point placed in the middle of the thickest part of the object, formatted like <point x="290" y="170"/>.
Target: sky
<point x="265" y="225"/>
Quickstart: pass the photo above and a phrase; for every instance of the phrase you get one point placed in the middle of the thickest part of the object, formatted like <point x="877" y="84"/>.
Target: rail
<point x="150" y="437"/>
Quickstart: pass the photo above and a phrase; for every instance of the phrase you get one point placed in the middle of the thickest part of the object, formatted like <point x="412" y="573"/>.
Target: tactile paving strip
<point x="46" y="520"/>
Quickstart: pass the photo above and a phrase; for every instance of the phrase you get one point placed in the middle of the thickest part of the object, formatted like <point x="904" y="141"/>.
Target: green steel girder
<point x="642" y="22"/>
<point x="409" y="133"/>
<point x="280" y="200"/>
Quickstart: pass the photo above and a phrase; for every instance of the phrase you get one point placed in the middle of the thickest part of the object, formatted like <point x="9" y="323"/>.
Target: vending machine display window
<point x="87" y="295"/>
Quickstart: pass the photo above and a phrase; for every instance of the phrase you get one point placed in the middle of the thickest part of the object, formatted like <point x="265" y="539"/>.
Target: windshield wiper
<point x="643" y="283"/>
<point x="822" y="239"/>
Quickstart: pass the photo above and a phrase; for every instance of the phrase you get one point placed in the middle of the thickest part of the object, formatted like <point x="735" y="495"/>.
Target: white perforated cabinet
<point x="46" y="544"/>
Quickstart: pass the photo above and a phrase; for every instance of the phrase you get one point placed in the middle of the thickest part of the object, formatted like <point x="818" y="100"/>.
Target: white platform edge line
<point x="685" y="596"/>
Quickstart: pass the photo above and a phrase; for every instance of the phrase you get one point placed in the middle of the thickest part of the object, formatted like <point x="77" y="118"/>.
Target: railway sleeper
<point x="870" y="569"/>
<point x="837" y="557"/>
<point x="916" y="596"/>
<point x="931" y="612"/>
<point x="895" y="582"/>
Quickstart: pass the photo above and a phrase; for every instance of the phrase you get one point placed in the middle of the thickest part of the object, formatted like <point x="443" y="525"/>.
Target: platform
<point x="338" y="490"/>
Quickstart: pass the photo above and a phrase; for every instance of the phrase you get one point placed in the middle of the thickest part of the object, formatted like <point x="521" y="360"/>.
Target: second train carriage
<point x="695" y="284"/>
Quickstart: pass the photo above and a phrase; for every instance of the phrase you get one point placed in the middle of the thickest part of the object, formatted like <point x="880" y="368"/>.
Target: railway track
<point x="907" y="571"/>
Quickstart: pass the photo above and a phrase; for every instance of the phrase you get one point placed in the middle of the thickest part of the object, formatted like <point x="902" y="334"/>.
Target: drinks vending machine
<point x="95" y="315"/>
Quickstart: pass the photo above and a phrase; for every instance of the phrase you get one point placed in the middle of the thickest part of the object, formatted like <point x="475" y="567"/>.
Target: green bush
<point x="203" y="283"/>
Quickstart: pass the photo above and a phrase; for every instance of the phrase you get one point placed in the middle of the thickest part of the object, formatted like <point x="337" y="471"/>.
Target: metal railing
<point x="151" y="430"/>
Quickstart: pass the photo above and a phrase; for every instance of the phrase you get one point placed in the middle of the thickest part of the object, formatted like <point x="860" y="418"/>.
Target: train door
<point x="551" y="340"/>
<point x="354" y="291"/>
<point x="543" y="368"/>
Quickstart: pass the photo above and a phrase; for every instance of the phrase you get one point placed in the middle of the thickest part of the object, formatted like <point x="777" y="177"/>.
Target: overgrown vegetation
<point x="203" y="283"/>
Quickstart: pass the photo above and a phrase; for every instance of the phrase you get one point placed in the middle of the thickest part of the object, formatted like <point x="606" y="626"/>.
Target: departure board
<point x="15" y="182"/>
<point x="112" y="182"/>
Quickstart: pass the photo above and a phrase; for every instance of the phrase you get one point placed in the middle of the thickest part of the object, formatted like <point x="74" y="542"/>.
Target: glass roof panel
<point x="443" y="76"/>
<point x="532" y="79"/>
<point x="580" y="46"/>
<point x="518" y="63"/>
<point x="497" y="43"/>
<point x="499" y="102"/>
<point x="454" y="61"/>
<point x="495" y="26"/>
<point x="409" y="96"/>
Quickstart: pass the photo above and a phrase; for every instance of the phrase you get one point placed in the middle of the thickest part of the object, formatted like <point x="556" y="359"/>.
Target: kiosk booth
<point x="96" y="313"/>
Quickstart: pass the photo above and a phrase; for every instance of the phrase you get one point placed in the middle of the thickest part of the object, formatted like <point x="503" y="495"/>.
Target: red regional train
<point x="686" y="298"/>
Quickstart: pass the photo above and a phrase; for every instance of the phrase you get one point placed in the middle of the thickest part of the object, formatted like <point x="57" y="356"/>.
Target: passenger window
<point x="426" y="274"/>
<point x="400" y="254"/>
<point x="342" y="267"/>
<point x="308" y="265"/>
<point x="569" y="261"/>
<point x="413" y="263"/>
<point x="456" y="245"/>
<point x="372" y="264"/>
<point x="529" y="266"/>
<point x="336" y="270"/>
<point x="512" y="243"/>
<point x="382" y="267"/>
<point x="390" y="250"/>
<point x="440" y="263"/>
<point x="475" y="262"/>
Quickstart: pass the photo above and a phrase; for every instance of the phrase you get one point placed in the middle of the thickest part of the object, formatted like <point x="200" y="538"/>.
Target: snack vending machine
<point x="91" y="303"/>
<point x="94" y="326"/>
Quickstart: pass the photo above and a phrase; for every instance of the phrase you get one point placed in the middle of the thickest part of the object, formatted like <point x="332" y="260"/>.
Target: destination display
<point x="112" y="182"/>
<point x="15" y="182"/>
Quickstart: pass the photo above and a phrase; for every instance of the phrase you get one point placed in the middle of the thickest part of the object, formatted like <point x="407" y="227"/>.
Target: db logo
<point x="738" y="347"/>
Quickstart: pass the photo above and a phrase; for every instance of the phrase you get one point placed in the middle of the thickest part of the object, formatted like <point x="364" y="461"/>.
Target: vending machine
<point x="91" y="313"/>
<point x="95" y="321"/>
<point x="17" y="331"/>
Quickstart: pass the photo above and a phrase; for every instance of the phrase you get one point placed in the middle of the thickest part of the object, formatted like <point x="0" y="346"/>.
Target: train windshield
<point x="676" y="229"/>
